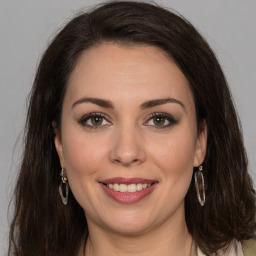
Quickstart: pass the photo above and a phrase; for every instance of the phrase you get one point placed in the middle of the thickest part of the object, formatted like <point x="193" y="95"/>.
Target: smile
<point x="131" y="188"/>
<point x="128" y="190"/>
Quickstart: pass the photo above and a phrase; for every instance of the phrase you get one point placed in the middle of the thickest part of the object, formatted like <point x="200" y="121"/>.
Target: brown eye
<point x="159" y="121"/>
<point x="94" y="120"/>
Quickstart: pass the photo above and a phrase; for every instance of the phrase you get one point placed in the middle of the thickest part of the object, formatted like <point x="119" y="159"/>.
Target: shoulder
<point x="249" y="247"/>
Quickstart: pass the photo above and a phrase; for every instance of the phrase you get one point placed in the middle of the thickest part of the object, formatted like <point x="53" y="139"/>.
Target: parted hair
<point x="41" y="224"/>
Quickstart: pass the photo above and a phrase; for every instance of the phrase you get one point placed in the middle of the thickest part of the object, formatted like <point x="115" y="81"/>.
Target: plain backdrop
<point x="27" y="26"/>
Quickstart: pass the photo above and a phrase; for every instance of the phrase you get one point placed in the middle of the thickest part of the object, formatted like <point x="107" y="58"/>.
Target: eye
<point x="161" y="120"/>
<point x="94" y="120"/>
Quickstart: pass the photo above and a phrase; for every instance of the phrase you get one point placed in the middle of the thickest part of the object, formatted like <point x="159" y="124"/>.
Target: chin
<point x="130" y="228"/>
<point x="125" y="222"/>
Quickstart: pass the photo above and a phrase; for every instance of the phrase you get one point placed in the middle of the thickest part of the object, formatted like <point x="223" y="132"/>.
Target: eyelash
<point x="83" y="121"/>
<point x="166" y="117"/>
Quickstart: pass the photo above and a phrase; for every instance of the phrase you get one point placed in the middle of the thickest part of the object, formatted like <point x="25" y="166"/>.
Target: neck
<point x="166" y="240"/>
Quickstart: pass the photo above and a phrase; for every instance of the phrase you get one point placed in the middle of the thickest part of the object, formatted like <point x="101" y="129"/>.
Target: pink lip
<point x="126" y="197"/>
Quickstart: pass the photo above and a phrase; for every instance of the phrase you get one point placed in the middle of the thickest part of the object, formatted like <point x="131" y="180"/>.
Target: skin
<point x="130" y="143"/>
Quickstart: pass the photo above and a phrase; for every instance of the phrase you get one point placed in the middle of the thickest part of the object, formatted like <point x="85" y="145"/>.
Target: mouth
<point x="131" y="188"/>
<point x="128" y="190"/>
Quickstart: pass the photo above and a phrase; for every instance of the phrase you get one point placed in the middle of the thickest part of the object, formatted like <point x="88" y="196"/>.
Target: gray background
<point x="26" y="27"/>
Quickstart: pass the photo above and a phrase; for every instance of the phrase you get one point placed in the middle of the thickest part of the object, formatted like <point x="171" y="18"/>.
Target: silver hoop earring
<point x="64" y="180"/>
<point x="199" y="183"/>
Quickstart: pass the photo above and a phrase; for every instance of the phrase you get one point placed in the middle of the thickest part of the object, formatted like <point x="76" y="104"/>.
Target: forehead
<point x="124" y="73"/>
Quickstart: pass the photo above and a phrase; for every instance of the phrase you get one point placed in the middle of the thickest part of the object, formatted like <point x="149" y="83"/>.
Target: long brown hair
<point x="42" y="225"/>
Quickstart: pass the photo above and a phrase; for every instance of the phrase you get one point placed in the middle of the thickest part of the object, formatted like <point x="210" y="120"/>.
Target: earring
<point x="200" y="189"/>
<point x="64" y="180"/>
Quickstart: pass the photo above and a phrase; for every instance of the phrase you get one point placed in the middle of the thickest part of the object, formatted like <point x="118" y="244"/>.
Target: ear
<point x="58" y="143"/>
<point x="201" y="144"/>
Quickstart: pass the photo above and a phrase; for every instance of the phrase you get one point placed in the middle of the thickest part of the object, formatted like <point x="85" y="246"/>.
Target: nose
<point x="127" y="147"/>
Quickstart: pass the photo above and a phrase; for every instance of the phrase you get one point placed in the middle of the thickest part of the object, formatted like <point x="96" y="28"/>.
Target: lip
<point x="126" y="197"/>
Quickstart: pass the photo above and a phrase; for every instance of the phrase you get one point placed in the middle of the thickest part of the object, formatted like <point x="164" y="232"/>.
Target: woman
<point x="133" y="145"/>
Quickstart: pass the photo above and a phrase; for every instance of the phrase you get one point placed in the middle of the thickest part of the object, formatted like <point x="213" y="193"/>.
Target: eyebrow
<point x="145" y="105"/>
<point x="157" y="102"/>
<point x="99" y="102"/>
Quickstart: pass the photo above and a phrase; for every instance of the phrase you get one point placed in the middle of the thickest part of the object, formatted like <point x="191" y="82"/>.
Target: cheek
<point x="83" y="157"/>
<point x="174" y="155"/>
<point x="82" y="153"/>
<point x="175" y="162"/>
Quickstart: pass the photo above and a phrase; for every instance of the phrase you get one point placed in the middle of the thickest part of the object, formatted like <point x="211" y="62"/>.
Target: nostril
<point x="126" y="159"/>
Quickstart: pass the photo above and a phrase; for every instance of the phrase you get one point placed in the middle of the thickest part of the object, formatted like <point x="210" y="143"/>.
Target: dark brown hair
<point x="42" y="225"/>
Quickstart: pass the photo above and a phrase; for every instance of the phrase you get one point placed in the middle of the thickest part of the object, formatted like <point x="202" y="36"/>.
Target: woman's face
<point x="129" y="138"/>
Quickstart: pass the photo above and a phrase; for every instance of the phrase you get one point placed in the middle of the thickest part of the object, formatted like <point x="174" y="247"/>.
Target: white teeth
<point x="123" y="188"/>
<point x="139" y="187"/>
<point x="131" y="188"/>
<point x="144" y="185"/>
<point x="116" y="187"/>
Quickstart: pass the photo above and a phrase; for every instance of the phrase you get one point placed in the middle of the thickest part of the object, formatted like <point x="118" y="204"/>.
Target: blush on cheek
<point x="175" y="152"/>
